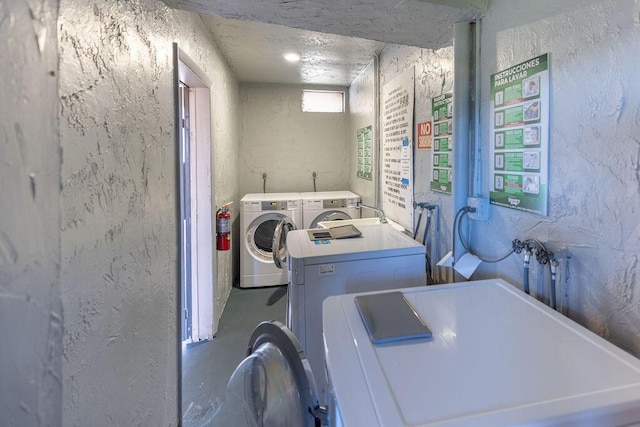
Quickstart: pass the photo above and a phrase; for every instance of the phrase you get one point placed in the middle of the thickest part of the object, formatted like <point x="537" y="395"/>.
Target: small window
<point x="322" y="101"/>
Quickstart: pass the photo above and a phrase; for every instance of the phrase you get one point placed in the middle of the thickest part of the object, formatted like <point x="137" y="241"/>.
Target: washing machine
<point x="273" y="386"/>
<point x="497" y="357"/>
<point x="260" y="215"/>
<point x="328" y="206"/>
<point x="381" y="258"/>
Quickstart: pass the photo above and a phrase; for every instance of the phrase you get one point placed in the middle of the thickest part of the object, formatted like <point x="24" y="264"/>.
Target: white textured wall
<point x="289" y="145"/>
<point x="30" y="306"/>
<point x="433" y="70"/>
<point x="362" y="114"/>
<point x="119" y="249"/>
<point x="595" y="152"/>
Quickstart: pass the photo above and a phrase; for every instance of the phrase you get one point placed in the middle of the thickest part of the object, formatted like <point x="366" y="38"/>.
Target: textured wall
<point x="362" y="114"/>
<point x="433" y="71"/>
<point x="289" y="145"/>
<point x="119" y="247"/>
<point x="30" y="306"/>
<point x="595" y="152"/>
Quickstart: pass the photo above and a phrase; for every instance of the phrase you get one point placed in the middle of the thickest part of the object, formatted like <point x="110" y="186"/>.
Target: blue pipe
<point x="554" y="268"/>
<point x="527" y="257"/>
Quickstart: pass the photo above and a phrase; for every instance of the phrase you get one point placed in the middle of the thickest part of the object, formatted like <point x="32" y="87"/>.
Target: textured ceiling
<point x="254" y="52"/>
<point x="339" y="37"/>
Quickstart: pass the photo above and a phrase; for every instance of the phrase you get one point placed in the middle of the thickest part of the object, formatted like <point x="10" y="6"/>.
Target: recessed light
<point x="292" y="56"/>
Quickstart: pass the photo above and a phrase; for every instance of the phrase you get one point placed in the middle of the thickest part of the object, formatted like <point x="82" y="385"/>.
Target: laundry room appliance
<point x="497" y="357"/>
<point x="273" y="386"/>
<point x="382" y="258"/>
<point x="259" y="215"/>
<point x="328" y="206"/>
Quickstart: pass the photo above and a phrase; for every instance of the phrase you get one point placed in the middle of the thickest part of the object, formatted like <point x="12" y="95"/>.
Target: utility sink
<point x="355" y="221"/>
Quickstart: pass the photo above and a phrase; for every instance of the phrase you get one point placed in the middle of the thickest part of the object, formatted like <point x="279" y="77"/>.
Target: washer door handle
<point x="280" y="234"/>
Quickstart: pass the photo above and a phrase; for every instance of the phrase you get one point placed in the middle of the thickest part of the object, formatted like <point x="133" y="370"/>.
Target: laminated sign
<point x="519" y="138"/>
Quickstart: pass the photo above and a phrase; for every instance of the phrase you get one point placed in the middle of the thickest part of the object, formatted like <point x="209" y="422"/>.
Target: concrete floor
<point x="207" y="366"/>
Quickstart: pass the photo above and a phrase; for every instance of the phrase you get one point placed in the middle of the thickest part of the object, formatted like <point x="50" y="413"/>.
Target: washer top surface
<point x="262" y="197"/>
<point x="377" y="241"/>
<point x="327" y="195"/>
<point x="498" y="357"/>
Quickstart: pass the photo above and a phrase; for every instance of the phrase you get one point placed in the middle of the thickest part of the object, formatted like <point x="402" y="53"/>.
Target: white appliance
<point x="259" y="215"/>
<point x="328" y="206"/>
<point x="382" y="258"/>
<point x="498" y="357"/>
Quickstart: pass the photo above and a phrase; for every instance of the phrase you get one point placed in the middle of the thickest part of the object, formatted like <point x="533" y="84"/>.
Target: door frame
<point x="203" y="260"/>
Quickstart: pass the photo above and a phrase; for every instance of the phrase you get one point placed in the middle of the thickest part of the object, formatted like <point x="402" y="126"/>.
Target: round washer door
<point x="273" y="386"/>
<point x="279" y="244"/>
<point x="330" y="216"/>
<point x="260" y="233"/>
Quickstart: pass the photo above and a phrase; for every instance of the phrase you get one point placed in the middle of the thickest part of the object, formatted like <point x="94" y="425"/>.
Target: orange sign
<point x="425" y="132"/>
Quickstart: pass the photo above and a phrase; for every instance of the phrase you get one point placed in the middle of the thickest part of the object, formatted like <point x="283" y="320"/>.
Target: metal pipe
<point x="383" y="219"/>
<point x="378" y="150"/>
<point x="461" y="115"/>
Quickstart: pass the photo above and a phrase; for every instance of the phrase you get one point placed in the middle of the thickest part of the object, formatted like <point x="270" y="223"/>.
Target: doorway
<point x="197" y="272"/>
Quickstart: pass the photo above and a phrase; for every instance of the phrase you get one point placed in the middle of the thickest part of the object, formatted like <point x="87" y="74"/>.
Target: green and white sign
<point x="364" y="138"/>
<point x="519" y="122"/>
<point x="442" y="111"/>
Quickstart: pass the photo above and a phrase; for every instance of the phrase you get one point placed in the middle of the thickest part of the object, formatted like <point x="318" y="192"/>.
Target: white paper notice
<point x="397" y="148"/>
<point x="467" y="264"/>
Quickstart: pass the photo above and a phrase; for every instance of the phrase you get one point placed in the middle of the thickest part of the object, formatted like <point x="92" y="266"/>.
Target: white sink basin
<point x="355" y="221"/>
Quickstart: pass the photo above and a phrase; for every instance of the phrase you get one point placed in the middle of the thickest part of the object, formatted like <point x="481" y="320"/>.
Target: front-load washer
<point x="328" y="206"/>
<point x="273" y="386"/>
<point x="259" y="215"/>
<point x="382" y="258"/>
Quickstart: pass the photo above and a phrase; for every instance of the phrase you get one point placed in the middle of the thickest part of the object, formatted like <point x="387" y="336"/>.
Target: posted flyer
<point x="397" y="148"/>
<point x="519" y="138"/>
<point x="364" y="141"/>
<point x="442" y="171"/>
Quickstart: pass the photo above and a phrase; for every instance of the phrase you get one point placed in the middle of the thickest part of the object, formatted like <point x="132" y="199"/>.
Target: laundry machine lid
<point x="498" y="357"/>
<point x="274" y="385"/>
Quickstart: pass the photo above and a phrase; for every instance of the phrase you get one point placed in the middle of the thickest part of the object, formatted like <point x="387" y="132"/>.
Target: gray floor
<point x="207" y="366"/>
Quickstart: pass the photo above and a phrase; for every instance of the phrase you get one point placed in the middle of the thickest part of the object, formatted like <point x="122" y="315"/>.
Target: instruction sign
<point x="364" y="141"/>
<point x="442" y="171"/>
<point x="397" y="148"/>
<point x="519" y="123"/>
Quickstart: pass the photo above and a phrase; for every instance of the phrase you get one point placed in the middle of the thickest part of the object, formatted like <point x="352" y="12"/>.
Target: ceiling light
<point x="292" y="56"/>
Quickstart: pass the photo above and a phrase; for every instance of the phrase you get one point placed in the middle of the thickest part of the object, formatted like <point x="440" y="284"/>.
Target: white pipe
<point x="476" y="186"/>
<point x="461" y="117"/>
<point x="376" y="133"/>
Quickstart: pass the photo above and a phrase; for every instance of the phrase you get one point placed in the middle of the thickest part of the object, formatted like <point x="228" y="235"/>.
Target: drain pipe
<point x="461" y="115"/>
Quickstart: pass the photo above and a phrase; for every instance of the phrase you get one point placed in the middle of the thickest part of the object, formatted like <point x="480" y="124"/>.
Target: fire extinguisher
<point x="223" y="229"/>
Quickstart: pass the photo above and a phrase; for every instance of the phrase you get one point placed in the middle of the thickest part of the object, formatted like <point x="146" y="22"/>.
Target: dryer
<point x="328" y="206"/>
<point x="260" y="213"/>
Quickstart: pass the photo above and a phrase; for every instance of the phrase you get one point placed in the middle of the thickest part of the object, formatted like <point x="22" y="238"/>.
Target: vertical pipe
<point x="178" y="242"/>
<point x="376" y="133"/>
<point x="461" y="118"/>
<point x="476" y="185"/>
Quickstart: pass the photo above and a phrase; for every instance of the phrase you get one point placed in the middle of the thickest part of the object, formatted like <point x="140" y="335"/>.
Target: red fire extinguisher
<point x="223" y="229"/>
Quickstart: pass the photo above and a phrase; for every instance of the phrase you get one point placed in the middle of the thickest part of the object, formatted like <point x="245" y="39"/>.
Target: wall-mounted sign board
<point x="519" y="138"/>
